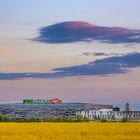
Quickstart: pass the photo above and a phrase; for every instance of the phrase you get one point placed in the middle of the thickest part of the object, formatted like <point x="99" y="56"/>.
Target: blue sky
<point x="107" y="12"/>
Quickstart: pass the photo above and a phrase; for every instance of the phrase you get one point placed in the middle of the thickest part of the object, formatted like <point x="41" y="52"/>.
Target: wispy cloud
<point x="111" y="65"/>
<point x="74" y="31"/>
<point x="95" y="54"/>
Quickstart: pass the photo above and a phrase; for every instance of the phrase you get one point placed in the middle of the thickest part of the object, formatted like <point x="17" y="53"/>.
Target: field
<point x="70" y="131"/>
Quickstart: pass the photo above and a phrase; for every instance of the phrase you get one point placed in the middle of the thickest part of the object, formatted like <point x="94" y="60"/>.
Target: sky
<point x="75" y="50"/>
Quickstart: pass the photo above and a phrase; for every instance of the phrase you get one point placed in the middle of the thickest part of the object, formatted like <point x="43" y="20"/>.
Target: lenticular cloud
<point x="75" y="31"/>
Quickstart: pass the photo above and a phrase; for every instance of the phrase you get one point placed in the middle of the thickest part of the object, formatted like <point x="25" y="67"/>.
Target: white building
<point x="108" y="114"/>
<point x="92" y="114"/>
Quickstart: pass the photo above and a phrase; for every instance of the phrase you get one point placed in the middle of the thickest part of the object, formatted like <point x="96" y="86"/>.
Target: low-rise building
<point x="108" y="114"/>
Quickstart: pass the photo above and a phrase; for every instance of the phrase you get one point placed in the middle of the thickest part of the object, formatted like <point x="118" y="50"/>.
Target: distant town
<point x="91" y="112"/>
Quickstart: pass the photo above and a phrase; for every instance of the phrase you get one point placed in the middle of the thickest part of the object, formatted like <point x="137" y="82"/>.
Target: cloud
<point x="75" y="31"/>
<point x="16" y="76"/>
<point x="111" y="65"/>
<point x="95" y="54"/>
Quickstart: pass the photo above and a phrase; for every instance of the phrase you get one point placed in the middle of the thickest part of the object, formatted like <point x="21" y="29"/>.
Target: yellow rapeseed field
<point x="70" y="131"/>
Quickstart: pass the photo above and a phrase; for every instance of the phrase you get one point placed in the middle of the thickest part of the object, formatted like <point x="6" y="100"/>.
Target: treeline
<point x="4" y="118"/>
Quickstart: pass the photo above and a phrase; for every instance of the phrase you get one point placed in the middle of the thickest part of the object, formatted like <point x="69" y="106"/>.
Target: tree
<point x="1" y="118"/>
<point x="4" y="118"/>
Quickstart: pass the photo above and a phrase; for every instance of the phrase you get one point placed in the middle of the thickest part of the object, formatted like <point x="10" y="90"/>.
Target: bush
<point x="50" y="119"/>
<point x="125" y="119"/>
<point x="4" y="118"/>
<point x="103" y="120"/>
